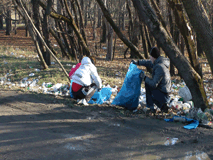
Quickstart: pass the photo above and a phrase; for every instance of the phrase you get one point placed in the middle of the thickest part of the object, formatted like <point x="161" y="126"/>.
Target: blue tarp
<point x="98" y="97"/>
<point x="101" y="97"/>
<point x="128" y="96"/>
<point x="192" y="125"/>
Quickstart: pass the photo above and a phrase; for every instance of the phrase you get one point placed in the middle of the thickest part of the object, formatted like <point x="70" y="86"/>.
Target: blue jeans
<point x="155" y="96"/>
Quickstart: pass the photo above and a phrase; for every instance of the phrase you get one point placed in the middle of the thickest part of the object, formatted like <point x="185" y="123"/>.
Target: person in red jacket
<point x="86" y="81"/>
<point x="75" y="67"/>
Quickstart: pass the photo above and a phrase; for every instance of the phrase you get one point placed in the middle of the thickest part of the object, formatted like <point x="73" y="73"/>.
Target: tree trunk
<point x="201" y="24"/>
<point x="94" y="23"/>
<point x="36" y="16"/>
<point x="186" y="32"/>
<point x="130" y="27"/>
<point x="109" y="55"/>
<point x="46" y="31"/>
<point x="33" y="35"/>
<point x="1" y="21"/>
<point x="104" y="31"/>
<point x="8" y="21"/>
<point x="172" y="68"/>
<point x="135" y="36"/>
<point x="15" y="28"/>
<point x="64" y="53"/>
<point x="99" y="18"/>
<point x="199" y="49"/>
<point x="117" y="30"/>
<point x="66" y="44"/>
<point x="123" y="17"/>
<point x="190" y="76"/>
<point x="81" y="21"/>
<point x="144" y="41"/>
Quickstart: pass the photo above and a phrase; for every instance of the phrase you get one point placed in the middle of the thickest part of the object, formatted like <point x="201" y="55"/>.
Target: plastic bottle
<point x="167" y="141"/>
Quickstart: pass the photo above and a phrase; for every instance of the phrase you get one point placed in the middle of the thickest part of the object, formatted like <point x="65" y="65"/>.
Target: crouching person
<point x="158" y="86"/>
<point x="85" y="81"/>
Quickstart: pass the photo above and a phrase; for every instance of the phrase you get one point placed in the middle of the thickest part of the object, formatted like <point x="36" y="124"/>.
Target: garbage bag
<point x="128" y="96"/>
<point x="185" y="93"/>
<point x="101" y="96"/>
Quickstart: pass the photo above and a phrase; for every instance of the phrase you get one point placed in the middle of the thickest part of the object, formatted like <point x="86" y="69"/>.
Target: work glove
<point x="134" y="62"/>
<point x="142" y="75"/>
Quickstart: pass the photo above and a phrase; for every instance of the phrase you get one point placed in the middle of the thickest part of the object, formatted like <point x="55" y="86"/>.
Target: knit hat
<point x="154" y="52"/>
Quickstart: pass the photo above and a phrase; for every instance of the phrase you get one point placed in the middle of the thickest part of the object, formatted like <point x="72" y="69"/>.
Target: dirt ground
<point x="36" y="126"/>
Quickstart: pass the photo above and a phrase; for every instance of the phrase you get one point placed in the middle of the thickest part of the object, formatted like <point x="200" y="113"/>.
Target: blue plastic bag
<point x="101" y="97"/>
<point x="71" y="95"/>
<point x="128" y="96"/>
<point x="192" y="125"/>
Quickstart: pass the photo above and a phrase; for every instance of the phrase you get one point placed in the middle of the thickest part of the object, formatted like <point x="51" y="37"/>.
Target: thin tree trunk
<point x="65" y="39"/>
<point x="59" y="43"/>
<point x="33" y="35"/>
<point x="109" y="55"/>
<point x="46" y="30"/>
<point x="8" y="21"/>
<point x="172" y="68"/>
<point x="1" y="21"/>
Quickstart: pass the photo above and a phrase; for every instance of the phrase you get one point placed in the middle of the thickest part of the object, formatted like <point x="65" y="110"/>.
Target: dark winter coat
<point x="161" y="78"/>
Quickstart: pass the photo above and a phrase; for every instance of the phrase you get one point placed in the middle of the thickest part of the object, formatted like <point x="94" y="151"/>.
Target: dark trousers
<point x="155" y="96"/>
<point x="89" y="90"/>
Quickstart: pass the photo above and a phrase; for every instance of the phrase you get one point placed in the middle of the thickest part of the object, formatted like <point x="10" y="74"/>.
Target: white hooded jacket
<point x="87" y="74"/>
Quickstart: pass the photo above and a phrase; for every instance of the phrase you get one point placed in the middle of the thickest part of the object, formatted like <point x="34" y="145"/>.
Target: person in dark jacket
<point x="159" y="86"/>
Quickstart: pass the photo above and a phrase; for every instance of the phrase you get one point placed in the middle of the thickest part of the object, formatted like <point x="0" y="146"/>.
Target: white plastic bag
<point x="185" y="93"/>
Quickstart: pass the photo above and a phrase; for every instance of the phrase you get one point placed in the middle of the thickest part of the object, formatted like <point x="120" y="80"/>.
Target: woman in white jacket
<point x="85" y="81"/>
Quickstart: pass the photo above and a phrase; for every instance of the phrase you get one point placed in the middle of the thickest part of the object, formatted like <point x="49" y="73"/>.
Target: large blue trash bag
<point x="128" y="96"/>
<point x="71" y="95"/>
<point x="101" y="97"/>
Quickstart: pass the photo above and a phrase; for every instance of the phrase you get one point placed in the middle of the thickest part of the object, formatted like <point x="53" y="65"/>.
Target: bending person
<point x="85" y="81"/>
<point x="159" y="86"/>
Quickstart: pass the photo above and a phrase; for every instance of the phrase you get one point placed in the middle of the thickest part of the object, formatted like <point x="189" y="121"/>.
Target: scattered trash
<point x="31" y="74"/>
<point x="37" y="70"/>
<point x="193" y="123"/>
<point x="170" y="141"/>
<point x="200" y="155"/>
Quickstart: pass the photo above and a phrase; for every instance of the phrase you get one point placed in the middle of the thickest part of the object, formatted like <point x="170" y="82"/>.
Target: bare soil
<point x="37" y="126"/>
